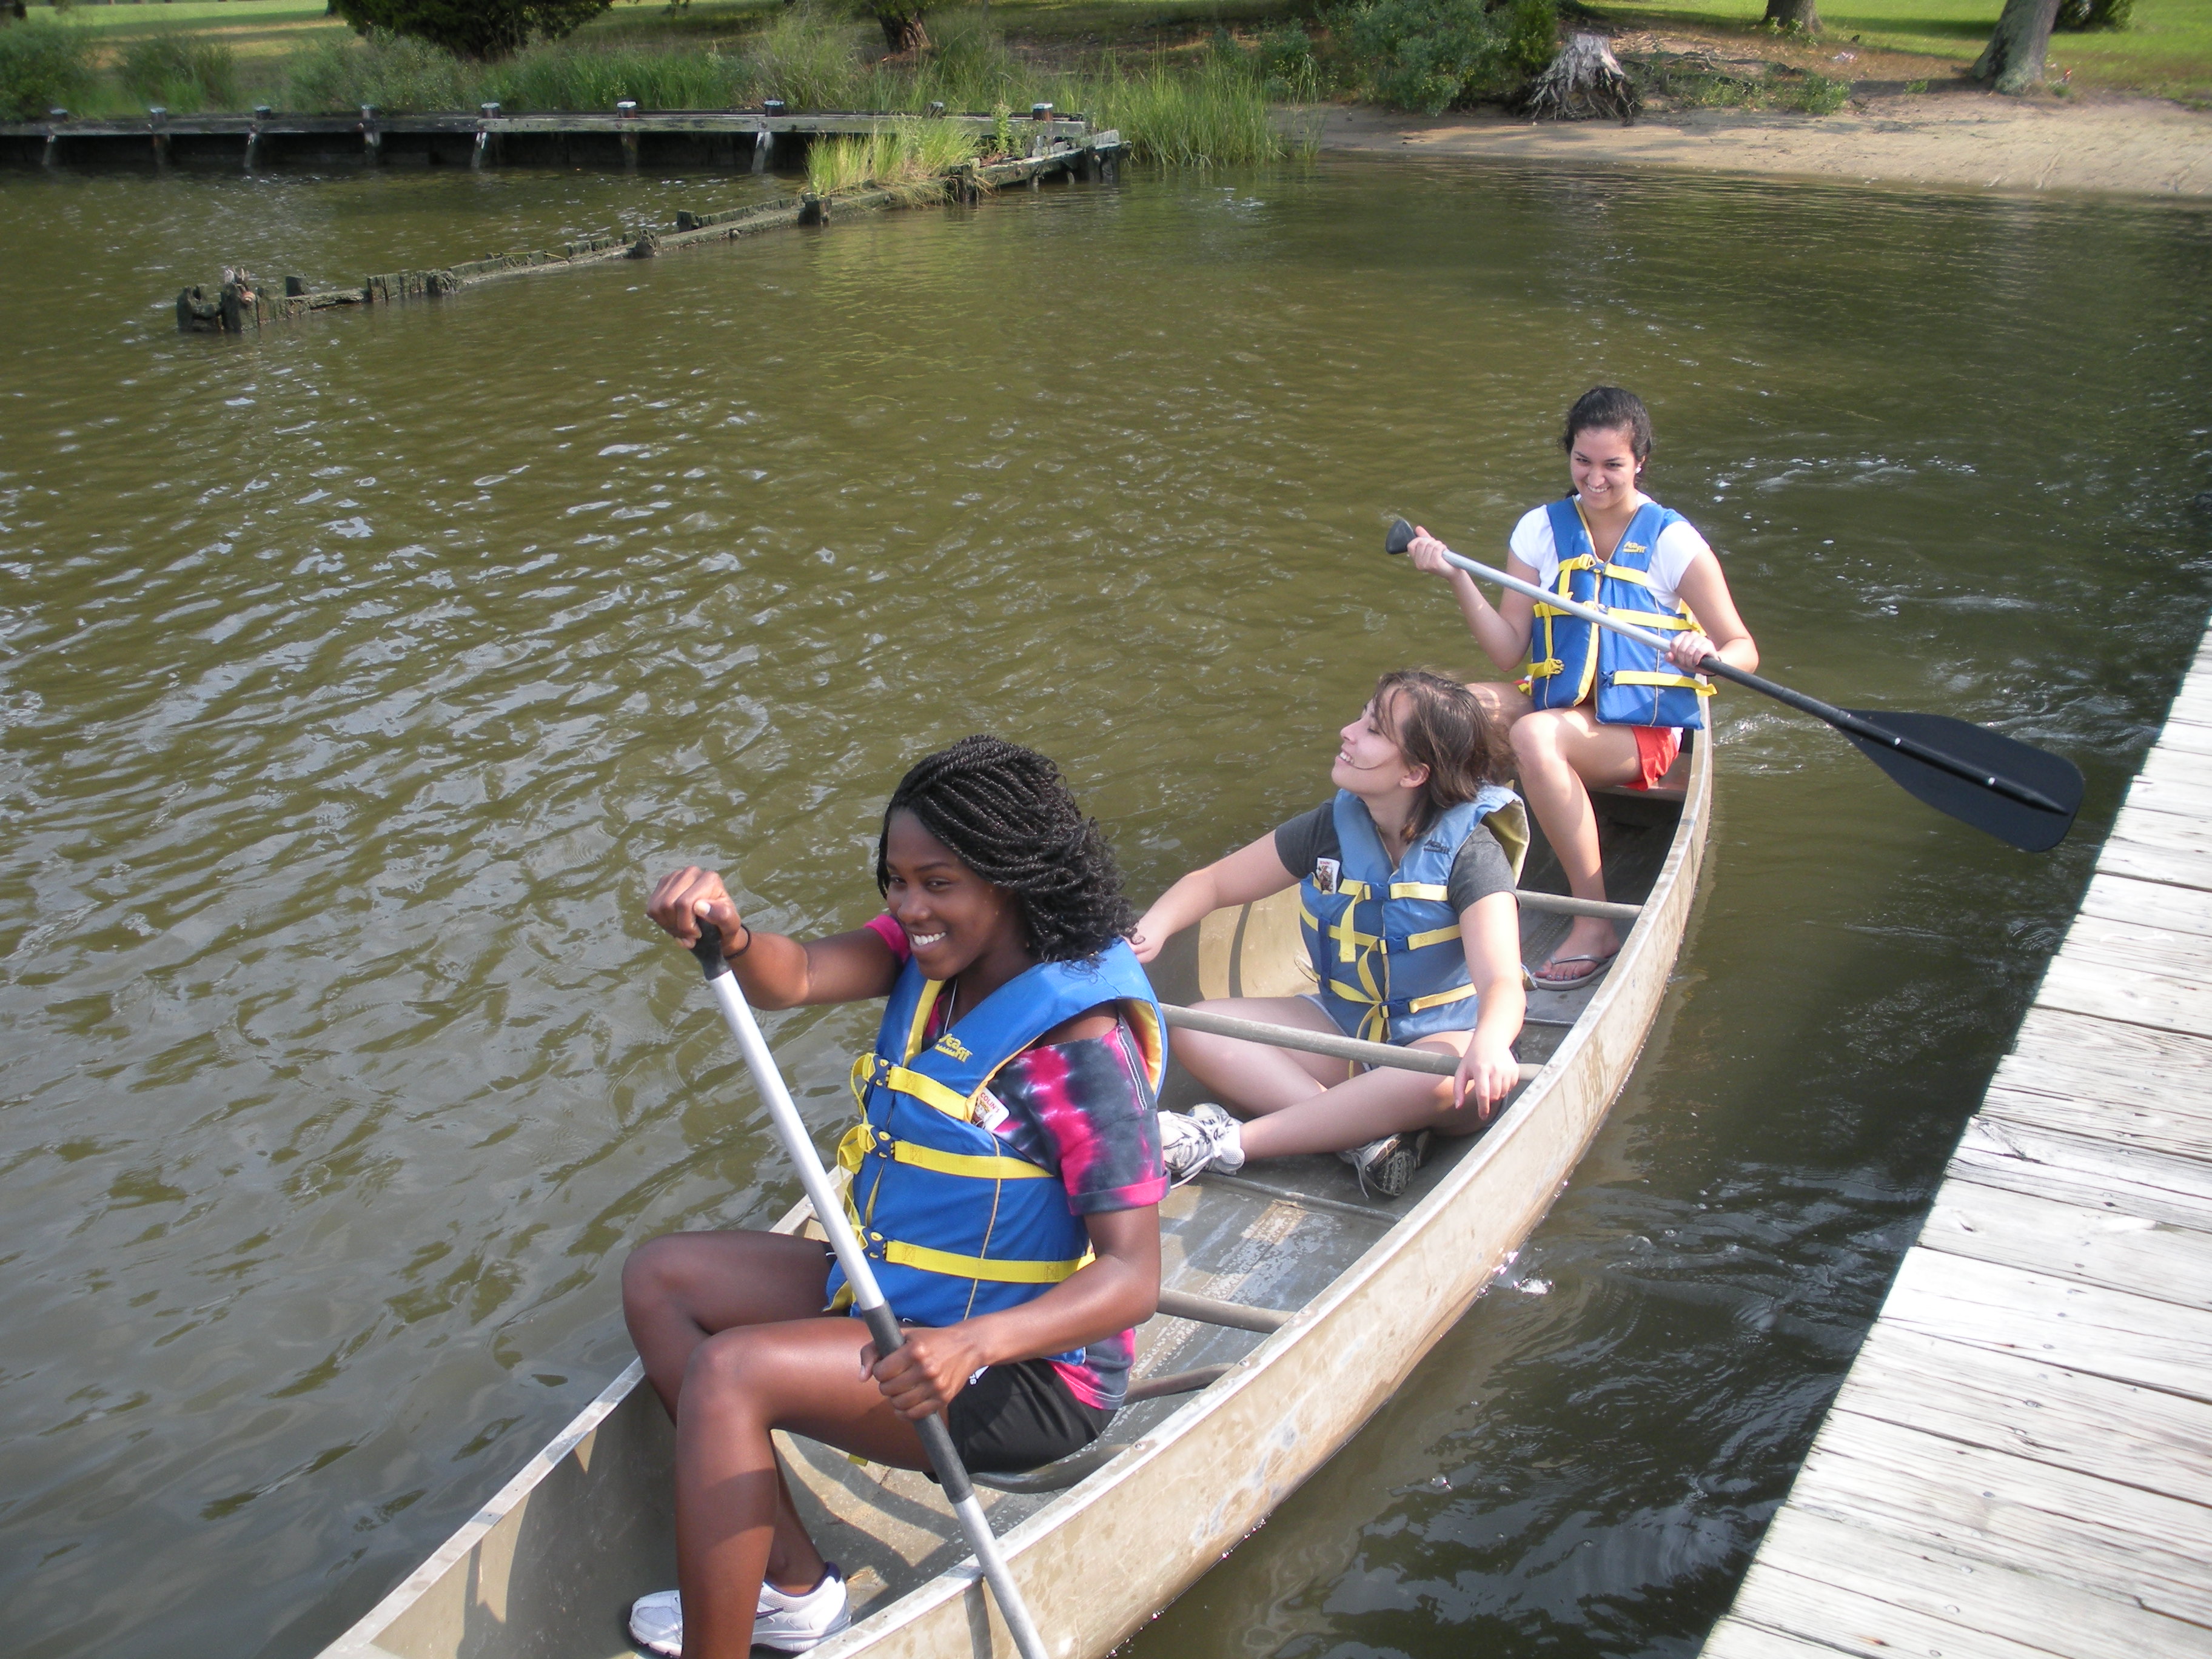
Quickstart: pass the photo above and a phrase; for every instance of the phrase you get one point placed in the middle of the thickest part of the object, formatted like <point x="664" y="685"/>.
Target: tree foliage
<point x="1429" y="55"/>
<point x="472" y="28"/>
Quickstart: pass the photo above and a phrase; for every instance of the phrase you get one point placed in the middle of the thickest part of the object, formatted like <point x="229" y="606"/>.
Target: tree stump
<point x="1584" y="82"/>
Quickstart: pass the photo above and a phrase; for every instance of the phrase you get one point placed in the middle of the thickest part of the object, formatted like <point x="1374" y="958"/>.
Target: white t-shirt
<point x="1678" y="547"/>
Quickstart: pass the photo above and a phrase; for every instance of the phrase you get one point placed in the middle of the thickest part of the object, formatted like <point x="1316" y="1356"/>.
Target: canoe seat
<point x="1077" y="1466"/>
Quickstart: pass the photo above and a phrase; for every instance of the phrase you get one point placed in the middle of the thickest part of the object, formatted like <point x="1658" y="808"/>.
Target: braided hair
<point x="1008" y="815"/>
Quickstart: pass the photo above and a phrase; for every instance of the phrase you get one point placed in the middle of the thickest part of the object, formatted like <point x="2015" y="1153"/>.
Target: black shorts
<point x="1021" y="1416"/>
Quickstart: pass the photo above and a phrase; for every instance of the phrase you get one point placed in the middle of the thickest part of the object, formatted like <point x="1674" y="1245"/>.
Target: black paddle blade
<point x="1400" y="539"/>
<point x="2032" y="829"/>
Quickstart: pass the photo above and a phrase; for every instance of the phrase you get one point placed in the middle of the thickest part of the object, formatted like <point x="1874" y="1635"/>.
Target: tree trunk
<point x="2013" y="60"/>
<point x="904" y="30"/>
<point x="1797" y="16"/>
<point x="1584" y="81"/>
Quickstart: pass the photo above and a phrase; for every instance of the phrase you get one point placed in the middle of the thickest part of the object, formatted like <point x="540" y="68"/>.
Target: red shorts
<point x="1657" y="746"/>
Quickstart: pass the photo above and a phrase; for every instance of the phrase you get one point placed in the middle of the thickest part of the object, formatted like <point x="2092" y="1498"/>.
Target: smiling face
<point x="953" y="918"/>
<point x="1602" y="461"/>
<point x="1369" y="762"/>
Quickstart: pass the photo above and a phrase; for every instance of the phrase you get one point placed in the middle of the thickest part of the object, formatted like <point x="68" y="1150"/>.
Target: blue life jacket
<point x="955" y="1221"/>
<point x="1636" y="686"/>
<point x="1385" y="943"/>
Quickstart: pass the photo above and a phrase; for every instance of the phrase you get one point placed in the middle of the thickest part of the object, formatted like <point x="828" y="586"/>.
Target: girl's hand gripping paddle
<point x="2012" y="790"/>
<point x="867" y="1295"/>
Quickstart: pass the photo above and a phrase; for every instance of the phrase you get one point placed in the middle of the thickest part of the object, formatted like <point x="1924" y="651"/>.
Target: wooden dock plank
<point x="1739" y="1638"/>
<point x="2186" y="794"/>
<point x="2129" y="1339"/>
<point x="2186" y="737"/>
<point x="2115" y="897"/>
<point x="2112" y="991"/>
<point x="1967" y="1600"/>
<point x="2082" y="1171"/>
<point x="1775" y="1598"/>
<point x="2171" y="1123"/>
<point x="1989" y="1507"/>
<point x="2115" y="1432"/>
<point x="2111" y="1247"/>
<point x="2136" y="946"/>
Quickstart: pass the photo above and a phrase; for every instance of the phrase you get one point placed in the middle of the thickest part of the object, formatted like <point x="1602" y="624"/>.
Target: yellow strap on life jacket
<point x="976" y="1267"/>
<point x="1434" y="936"/>
<point x="1637" y="676"/>
<point x="863" y="1138"/>
<point x="1358" y="891"/>
<point x="1420" y="889"/>
<point x="1457" y="993"/>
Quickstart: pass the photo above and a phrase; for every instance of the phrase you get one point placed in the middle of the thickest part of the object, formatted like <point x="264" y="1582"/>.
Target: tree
<point x="2013" y="60"/>
<point x="473" y="28"/>
<point x="1797" y="16"/>
<point x="903" y="25"/>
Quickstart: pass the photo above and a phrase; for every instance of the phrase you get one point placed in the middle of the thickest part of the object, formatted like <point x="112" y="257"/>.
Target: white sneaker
<point x="1387" y="1165"/>
<point x="1208" y="1139"/>
<point x="788" y="1623"/>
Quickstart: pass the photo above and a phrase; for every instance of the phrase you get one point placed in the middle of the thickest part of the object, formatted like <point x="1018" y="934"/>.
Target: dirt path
<point x="1956" y="139"/>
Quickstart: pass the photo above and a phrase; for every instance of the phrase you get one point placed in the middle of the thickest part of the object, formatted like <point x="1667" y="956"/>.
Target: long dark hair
<point x="1444" y="727"/>
<point x="1611" y="409"/>
<point x="1008" y="815"/>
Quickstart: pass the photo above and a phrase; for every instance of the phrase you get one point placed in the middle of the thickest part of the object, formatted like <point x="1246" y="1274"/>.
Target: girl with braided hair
<point x="1005" y="1179"/>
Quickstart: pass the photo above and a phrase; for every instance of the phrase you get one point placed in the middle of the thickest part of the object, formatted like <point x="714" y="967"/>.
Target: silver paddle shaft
<point x="1573" y="607"/>
<point x="867" y="1295"/>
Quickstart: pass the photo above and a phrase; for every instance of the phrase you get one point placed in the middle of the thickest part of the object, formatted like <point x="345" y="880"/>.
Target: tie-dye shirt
<point x="1084" y="1111"/>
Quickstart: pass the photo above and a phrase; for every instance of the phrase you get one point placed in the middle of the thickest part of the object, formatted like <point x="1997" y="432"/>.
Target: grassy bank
<point x="1182" y="103"/>
<point x="2166" y="50"/>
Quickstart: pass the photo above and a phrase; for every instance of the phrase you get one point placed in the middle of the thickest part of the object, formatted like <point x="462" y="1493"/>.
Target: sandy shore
<point x="1949" y="139"/>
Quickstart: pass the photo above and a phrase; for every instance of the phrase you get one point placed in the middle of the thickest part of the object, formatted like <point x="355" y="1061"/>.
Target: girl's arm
<point x="772" y="971"/>
<point x="1705" y="591"/>
<point x="1250" y="873"/>
<point x="1490" y="933"/>
<point x="1119" y="1289"/>
<point x="1501" y="629"/>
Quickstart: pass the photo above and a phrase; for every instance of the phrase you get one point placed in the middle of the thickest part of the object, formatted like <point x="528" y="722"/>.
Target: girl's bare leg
<point x="679" y="1293"/>
<point x="733" y="1514"/>
<point x="1303" y="1102"/>
<point x="1562" y="752"/>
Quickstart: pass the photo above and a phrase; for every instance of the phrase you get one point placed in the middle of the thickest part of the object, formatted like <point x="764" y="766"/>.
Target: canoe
<point x="1293" y="1305"/>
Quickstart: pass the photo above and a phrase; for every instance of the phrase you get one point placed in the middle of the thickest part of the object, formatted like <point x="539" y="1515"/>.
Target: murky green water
<point x="352" y="677"/>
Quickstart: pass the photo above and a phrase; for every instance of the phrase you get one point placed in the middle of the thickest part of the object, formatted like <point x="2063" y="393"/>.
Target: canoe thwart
<point x="1236" y="1316"/>
<point x="1056" y="1477"/>
<point x="1319" y="1042"/>
<point x="1268" y="1189"/>
<point x="1159" y="1387"/>
<point x="1559" y="904"/>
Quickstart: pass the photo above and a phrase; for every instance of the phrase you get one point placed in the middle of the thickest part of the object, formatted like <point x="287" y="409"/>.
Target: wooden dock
<point x="2019" y="1463"/>
<point x="729" y="140"/>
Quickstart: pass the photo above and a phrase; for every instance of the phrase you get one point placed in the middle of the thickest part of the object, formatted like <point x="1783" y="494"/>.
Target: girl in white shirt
<point x="1562" y="752"/>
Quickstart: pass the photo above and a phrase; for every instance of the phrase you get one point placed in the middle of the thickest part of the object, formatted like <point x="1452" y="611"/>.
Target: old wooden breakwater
<point x="241" y="301"/>
<point x="626" y="137"/>
<point x="2020" y="1464"/>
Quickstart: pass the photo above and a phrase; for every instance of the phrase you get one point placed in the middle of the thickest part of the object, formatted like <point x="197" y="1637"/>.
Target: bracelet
<point x="742" y="949"/>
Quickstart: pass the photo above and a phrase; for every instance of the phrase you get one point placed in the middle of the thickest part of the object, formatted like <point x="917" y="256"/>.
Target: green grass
<point x="909" y="158"/>
<point x="2168" y="49"/>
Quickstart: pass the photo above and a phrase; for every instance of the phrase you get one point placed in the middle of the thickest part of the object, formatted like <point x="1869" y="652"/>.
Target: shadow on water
<point x="352" y="676"/>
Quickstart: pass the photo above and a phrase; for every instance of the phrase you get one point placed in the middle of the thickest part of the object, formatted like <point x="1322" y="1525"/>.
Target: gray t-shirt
<point x="1479" y="868"/>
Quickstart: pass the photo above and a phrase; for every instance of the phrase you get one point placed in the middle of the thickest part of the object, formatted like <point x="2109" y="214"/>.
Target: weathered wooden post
<point x="812" y="210"/>
<point x="52" y="155"/>
<point x="486" y="114"/>
<point x="626" y="110"/>
<point x="372" y="137"/>
<point x="241" y="303"/>
<point x="261" y="113"/>
<point x="157" y="120"/>
<point x="764" y="144"/>
<point x="1040" y="114"/>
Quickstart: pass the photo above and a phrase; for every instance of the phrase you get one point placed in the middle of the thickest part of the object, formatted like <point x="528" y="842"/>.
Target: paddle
<point x="867" y="1295"/>
<point x="2004" y="788"/>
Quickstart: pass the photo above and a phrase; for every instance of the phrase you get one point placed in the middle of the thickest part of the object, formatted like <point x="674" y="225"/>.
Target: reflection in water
<point x="352" y="675"/>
